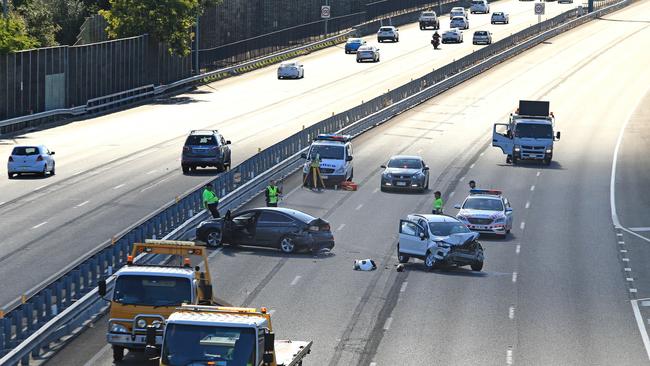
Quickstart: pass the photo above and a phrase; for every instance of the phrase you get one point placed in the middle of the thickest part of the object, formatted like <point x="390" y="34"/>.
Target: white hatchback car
<point x="291" y="70"/>
<point x="459" y="22"/>
<point x="30" y="159"/>
<point x="454" y="35"/>
<point x="459" y="11"/>
<point x="479" y="6"/>
<point x="388" y="32"/>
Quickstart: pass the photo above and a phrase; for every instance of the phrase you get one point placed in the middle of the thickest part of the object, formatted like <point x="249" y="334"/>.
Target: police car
<point x="486" y="211"/>
<point x="335" y="153"/>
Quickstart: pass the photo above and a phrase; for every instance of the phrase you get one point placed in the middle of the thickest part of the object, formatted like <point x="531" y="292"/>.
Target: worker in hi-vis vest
<point x="272" y="194"/>
<point x="210" y="200"/>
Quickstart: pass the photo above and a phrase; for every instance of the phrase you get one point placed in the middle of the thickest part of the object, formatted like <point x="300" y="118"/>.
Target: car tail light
<point x="11" y="159"/>
<point x="313" y="228"/>
<point x="325" y="227"/>
<point x="186" y="149"/>
<point x="40" y="158"/>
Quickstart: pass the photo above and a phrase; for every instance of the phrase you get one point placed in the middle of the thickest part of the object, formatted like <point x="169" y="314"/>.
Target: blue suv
<point x="205" y="148"/>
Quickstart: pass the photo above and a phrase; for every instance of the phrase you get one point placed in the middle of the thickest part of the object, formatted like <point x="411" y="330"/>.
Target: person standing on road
<point x="272" y="194"/>
<point x="472" y="184"/>
<point x="437" y="203"/>
<point x="211" y="201"/>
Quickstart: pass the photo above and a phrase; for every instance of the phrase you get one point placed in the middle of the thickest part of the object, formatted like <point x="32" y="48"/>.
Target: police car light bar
<point x="333" y="137"/>
<point x="485" y="191"/>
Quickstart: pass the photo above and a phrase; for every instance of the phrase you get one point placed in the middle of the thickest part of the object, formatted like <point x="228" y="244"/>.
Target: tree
<point x="169" y="21"/>
<point x="13" y="35"/>
<point x="39" y="17"/>
<point x="69" y="15"/>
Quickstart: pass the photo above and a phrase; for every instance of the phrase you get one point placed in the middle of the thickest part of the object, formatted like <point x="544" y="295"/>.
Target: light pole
<point x="196" y="46"/>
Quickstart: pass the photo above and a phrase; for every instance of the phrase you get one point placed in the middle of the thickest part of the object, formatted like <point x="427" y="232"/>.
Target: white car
<point x="291" y="70"/>
<point x="500" y="17"/>
<point x="486" y="211"/>
<point x="480" y="6"/>
<point x="482" y="37"/>
<point x="459" y="22"/>
<point x="388" y="32"/>
<point x="30" y="159"/>
<point x="368" y="53"/>
<point x="454" y="35"/>
<point x="459" y="11"/>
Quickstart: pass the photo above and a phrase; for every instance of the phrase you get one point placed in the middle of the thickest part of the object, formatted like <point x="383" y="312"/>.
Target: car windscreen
<point x="447" y="228"/>
<point x="481" y="203"/>
<point x="477" y="2"/>
<point x="201" y="140"/>
<point x="428" y="14"/>
<point x="327" y="151"/>
<point x="534" y="130"/>
<point x="193" y="344"/>
<point x="385" y="29"/>
<point x="405" y="163"/>
<point x="480" y="33"/>
<point x="152" y="290"/>
<point x="25" y="150"/>
<point x="354" y="40"/>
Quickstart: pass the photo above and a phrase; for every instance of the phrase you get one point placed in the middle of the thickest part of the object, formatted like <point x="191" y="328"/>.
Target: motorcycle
<point x="435" y="42"/>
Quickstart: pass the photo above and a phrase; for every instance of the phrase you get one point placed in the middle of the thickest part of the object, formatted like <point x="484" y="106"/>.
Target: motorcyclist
<point x="435" y="40"/>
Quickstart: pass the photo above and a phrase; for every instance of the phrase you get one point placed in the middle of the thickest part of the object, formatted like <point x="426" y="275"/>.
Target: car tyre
<point x="427" y="186"/>
<point x="402" y="258"/>
<point x="44" y="172"/>
<point x="221" y="167"/>
<point x="381" y="188"/>
<point x="351" y="176"/>
<point x="358" y="61"/>
<point x="10" y="175"/>
<point x="118" y="353"/>
<point x="287" y="245"/>
<point x="478" y="266"/>
<point x="53" y="171"/>
<point x="515" y="160"/>
<point x="213" y="238"/>
<point x="429" y="260"/>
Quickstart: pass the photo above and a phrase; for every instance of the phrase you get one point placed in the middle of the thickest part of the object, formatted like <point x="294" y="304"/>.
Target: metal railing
<point x="33" y="322"/>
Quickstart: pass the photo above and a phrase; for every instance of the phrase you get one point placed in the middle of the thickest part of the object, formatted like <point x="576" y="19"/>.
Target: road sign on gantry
<point x="325" y="11"/>
<point x="539" y="8"/>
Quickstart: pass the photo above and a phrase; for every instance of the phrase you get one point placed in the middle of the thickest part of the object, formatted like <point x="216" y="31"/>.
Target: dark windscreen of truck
<point x="152" y="290"/>
<point x="200" y="344"/>
<point x="534" y="130"/>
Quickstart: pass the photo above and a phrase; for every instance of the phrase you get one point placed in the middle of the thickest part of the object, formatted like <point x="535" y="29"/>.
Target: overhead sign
<point x="325" y="11"/>
<point x="539" y="8"/>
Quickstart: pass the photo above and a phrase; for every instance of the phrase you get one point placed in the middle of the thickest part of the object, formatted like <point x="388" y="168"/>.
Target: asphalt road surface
<point x="553" y="293"/>
<point x="116" y="169"/>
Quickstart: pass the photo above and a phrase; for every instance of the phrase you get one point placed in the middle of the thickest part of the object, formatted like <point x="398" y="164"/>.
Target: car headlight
<point x="141" y="323"/>
<point x="500" y="220"/>
<point x="388" y="176"/>
<point x="340" y="170"/>
<point x="118" y="328"/>
<point x="517" y="148"/>
<point x="461" y="217"/>
<point x="548" y="151"/>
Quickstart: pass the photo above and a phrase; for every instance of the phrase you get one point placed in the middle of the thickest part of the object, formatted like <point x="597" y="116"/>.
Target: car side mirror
<point x="425" y="168"/>
<point x="457" y="207"/>
<point x="422" y="236"/>
<point x="228" y="142"/>
<point x="52" y="152"/>
<point x="557" y="135"/>
<point x="303" y="155"/>
<point x="383" y="166"/>
<point x="508" y="209"/>
<point x="101" y="287"/>
<point x="348" y="158"/>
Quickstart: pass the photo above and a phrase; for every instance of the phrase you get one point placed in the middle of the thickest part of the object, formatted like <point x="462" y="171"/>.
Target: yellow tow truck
<point x="223" y="336"/>
<point x="145" y="294"/>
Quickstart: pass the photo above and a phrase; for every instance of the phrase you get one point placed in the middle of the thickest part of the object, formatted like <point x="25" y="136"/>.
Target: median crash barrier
<point x="23" y="320"/>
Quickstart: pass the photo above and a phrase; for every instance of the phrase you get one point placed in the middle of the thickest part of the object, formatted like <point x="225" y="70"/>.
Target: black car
<point x="405" y="172"/>
<point x="272" y="227"/>
<point x="205" y="148"/>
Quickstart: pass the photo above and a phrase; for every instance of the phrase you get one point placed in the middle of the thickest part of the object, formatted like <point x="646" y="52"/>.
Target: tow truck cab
<point x="142" y="295"/>
<point x="529" y="134"/>
<point x="335" y="153"/>
<point x="234" y="336"/>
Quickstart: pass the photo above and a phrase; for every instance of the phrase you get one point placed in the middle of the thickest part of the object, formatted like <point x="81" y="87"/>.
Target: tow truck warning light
<point x="485" y="191"/>
<point x="169" y="242"/>
<point x="333" y="137"/>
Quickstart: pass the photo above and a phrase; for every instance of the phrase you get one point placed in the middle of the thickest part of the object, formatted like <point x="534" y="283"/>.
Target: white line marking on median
<point x="514" y="277"/>
<point x="119" y="186"/>
<point x="627" y="269"/>
<point x="151" y="171"/>
<point x="629" y="279"/>
<point x="538" y="173"/>
<point x="640" y="228"/>
<point x="509" y="356"/>
<point x="359" y="207"/>
<point x="511" y="312"/>
<point x="642" y="330"/>
<point x="471" y="166"/>
<point x="388" y="323"/>
<point x="95" y="360"/>
<point x="295" y="280"/>
<point x="39" y="187"/>
<point x="153" y="185"/>
<point x="403" y="288"/>
<point x="522" y="225"/>
<point x="340" y="227"/>
<point x="39" y="225"/>
<point x="452" y="193"/>
<point x="517" y="249"/>
<point x="625" y="259"/>
<point x="527" y="204"/>
<point x="82" y="204"/>
<point x="532" y="188"/>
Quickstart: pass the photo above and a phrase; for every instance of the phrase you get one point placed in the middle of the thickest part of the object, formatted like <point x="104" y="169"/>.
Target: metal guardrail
<point x="23" y="329"/>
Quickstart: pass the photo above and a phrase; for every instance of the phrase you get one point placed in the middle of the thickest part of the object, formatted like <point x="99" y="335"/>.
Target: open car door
<point x="501" y="139"/>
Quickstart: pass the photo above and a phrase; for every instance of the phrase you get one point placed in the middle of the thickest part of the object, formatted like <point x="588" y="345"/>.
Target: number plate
<point x="401" y="183"/>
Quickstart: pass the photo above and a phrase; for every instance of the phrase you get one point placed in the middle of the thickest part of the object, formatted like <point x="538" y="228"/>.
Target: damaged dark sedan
<point x="272" y="227"/>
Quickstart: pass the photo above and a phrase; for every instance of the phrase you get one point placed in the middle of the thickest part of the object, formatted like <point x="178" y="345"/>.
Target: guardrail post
<point x="92" y="275"/>
<point x="29" y="316"/>
<point x="76" y="281"/>
<point x="17" y="316"/>
<point x="5" y="333"/>
<point x="58" y="307"/>
<point x="40" y="310"/>
<point x="47" y="300"/>
<point x="68" y="291"/>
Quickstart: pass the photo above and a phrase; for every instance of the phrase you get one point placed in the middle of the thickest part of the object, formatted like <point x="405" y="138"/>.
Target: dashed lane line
<point x="532" y="188"/>
<point x="527" y="204"/>
<point x="522" y="225"/>
<point x="39" y="225"/>
<point x="514" y="277"/>
<point x="340" y="227"/>
<point x="517" y="249"/>
<point x="389" y="321"/>
<point x="82" y="204"/>
<point x="511" y="313"/>
<point x="403" y="288"/>
<point x="119" y="186"/>
<point x="295" y="280"/>
<point x="359" y="207"/>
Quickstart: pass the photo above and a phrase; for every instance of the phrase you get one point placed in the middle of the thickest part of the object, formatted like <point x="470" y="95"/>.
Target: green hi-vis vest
<point x="209" y="197"/>
<point x="437" y="204"/>
<point x="273" y="194"/>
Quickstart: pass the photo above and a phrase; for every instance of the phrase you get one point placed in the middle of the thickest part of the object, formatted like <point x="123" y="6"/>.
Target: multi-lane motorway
<point x="557" y="291"/>
<point x="115" y="169"/>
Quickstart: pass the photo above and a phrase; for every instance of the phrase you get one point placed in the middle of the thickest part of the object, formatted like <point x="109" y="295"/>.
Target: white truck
<point x="429" y="19"/>
<point x="213" y="335"/>
<point x="528" y="135"/>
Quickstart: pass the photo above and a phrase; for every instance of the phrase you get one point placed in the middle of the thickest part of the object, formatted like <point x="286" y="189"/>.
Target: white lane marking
<point x="623" y="251"/>
<point x="451" y="194"/>
<point x="511" y="312"/>
<point x="292" y="192"/>
<point x="481" y="154"/>
<point x="517" y="249"/>
<point x="214" y="253"/>
<point x="119" y="186"/>
<point x="532" y="188"/>
<point x="39" y="225"/>
<point x="419" y="151"/>
<point x="509" y="356"/>
<point x="538" y="173"/>
<point x="151" y="172"/>
<point x="640" y="228"/>
<point x="373" y="364"/>
<point x="628" y="269"/>
<point x="514" y="277"/>
<point x="153" y="185"/>
<point x="461" y="179"/>
<point x="271" y="311"/>
<point x="639" y="323"/>
<point x="82" y="204"/>
<point x="619" y="234"/>
<point x="633" y="290"/>
<point x="389" y="321"/>
<point x="625" y="259"/>
<point x="2" y="203"/>
<point x="471" y="166"/>
<point x="340" y="227"/>
<point x="295" y="280"/>
<point x="403" y="288"/>
<point x="77" y="173"/>
<point x="95" y="359"/>
<point x="39" y="187"/>
<point x="359" y="207"/>
<point x="528" y="204"/>
<point x="375" y="190"/>
<point x="522" y="225"/>
<point x="621" y="242"/>
<point x="629" y="279"/>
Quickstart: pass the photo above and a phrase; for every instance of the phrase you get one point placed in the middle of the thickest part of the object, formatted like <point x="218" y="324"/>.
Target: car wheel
<point x="53" y="171"/>
<point x="402" y="258"/>
<point x="118" y="353"/>
<point x="279" y="77"/>
<point x="429" y="260"/>
<point x="347" y="52"/>
<point x="213" y="238"/>
<point x="10" y="175"/>
<point x="358" y="60"/>
<point x="221" y="167"/>
<point x="515" y="159"/>
<point x="44" y="172"/>
<point x="381" y="188"/>
<point x="478" y="266"/>
<point x="287" y="245"/>
<point x="351" y="176"/>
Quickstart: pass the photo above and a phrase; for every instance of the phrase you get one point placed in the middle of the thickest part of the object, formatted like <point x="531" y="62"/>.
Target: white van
<point x="335" y="153"/>
<point x="480" y="6"/>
